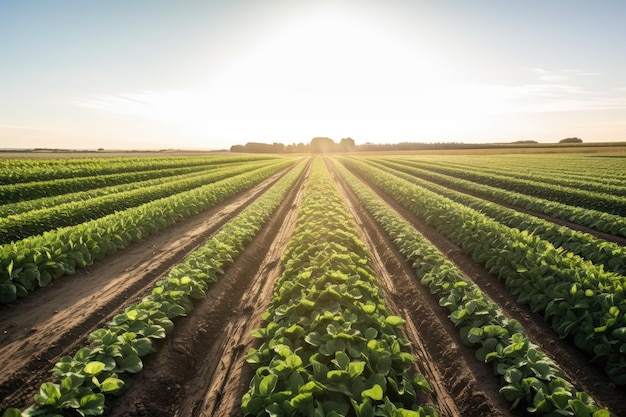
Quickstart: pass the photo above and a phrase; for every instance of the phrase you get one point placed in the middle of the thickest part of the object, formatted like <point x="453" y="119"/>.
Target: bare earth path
<point x="48" y="324"/>
<point x="200" y="370"/>
<point x="585" y="375"/>
<point x="466" y="386"/>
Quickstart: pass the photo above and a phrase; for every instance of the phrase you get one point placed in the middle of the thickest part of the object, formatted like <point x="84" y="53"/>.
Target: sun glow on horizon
<point x="329" y="70"/>
<point x="329" y="73"/>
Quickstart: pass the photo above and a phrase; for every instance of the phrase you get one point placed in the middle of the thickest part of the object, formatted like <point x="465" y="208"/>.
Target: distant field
<point x="460" y="282"/>
<point x="103" y="154"/>
<point x="617" y="148"/>
<point x="592" y="147"/>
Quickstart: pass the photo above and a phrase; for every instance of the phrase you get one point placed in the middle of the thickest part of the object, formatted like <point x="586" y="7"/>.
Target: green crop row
<point x="577" y="298"/>
<point x="603" y="202"/>
<point x="604" y="222"/>
<point x="578" y="180"/>
<point x="21" y="226"/>
<point x="330" y="347"/>
<point x="599" y="168"/>
<point x="11" y="193"/>
<point x="527" y="375"/>
<point x="598" y="251"/>
<point x="14" y="171"/>
<point x="14" y="193"/>
<point x="84" y="379"/>
<point x="33" y="262"/>
<point x="50" y="201"/>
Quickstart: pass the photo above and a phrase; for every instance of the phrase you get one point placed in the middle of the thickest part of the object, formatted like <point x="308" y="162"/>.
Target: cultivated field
<point x="394" y="285"/>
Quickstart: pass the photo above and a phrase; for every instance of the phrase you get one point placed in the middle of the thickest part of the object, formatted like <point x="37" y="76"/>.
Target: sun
<point x="327" y="73"/>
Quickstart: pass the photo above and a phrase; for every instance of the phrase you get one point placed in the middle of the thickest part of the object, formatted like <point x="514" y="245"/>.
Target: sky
<point x="154" y="74"/>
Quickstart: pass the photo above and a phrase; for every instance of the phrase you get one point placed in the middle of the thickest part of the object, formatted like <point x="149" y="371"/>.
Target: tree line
<point x="317" y="145"/>
<point x="327" y="145"/>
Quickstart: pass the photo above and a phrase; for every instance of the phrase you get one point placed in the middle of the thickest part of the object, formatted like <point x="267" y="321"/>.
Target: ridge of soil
<point x="466" y="387"/>
<point x="620" y="240"/>
<point x="52" y="322"/>
<point x="201" y="369"/>
<point x="587" y="376"/>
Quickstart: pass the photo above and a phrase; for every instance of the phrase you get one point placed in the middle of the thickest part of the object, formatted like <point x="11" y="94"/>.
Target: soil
<point x="586" y="376"/>
<point x="620" y="240"/>
<point x="36" y="331"/>
<point x="200" y="369"/>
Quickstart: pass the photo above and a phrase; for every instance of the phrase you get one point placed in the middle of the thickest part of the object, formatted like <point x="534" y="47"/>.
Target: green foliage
<point x="578" y="298"/>
<point x="33" y="262"/>
<point x="611" y="255"/>
<point x="330" y="347"/>
<point x="113" y="352"/>
<point x="67" y="212"/>
<point x="527" y="375"/>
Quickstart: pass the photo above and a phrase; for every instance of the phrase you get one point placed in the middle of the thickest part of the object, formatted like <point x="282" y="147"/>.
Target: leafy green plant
<point x="601" y="252"/>
<point x="330" y="346"/>
<point x="527" y="375"/>
<point x="33" y="262"/>
<point x="20" y="226"/>
<point x="591" y="300"/>
<point x="103" y="367"/>
<point x="593" y="200"/>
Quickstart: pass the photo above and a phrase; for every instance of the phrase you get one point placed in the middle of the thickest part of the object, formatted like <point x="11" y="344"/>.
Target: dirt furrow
<point x="620" y="240"/>
<point x="586" y="376"/>
<point x="235" y="378"/>
<point x="201" y="371"/>
<point x="54" y="321"/>
<point x="462" y="385"/>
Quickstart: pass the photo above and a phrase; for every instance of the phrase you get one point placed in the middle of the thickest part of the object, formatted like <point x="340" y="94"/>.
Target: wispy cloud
<point x="550" y="91"/>
<point x="560" y="74"/>
<point x="39" y="128"/>
<point x="240" y="108"/>
<point x="126" y="104"/>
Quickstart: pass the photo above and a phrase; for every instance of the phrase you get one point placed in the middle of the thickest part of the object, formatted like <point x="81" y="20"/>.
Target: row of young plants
<point x="34" y="262"/>
<point x="579" y="299"/>
<point x="23" y="206"/>
<point x="528" y="376"/>
<point x="603" y="202"/>
<point x="105" y="366"/>
<point x="598" y="251"/>
<point x="20" y="226"/>
<point x="578" y="180"/>
<point x="330" y="346"/>
<point x="14" y="170"/>
<point x="604" y="222"/>
<point x="11" y="193"/>
<point x="602" y="167"/>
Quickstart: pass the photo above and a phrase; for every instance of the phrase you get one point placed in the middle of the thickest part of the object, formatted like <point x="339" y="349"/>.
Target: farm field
<point x="329" y="285"/>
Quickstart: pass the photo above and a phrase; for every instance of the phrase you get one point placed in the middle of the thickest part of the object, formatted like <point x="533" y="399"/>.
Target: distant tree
<point x="257" y="147"/>
<point x="346" y="145"/>
<point x="571" y="140"/>
<point x="302" y="148"/>
<point x="322" y="145"/>
<point x="278" y="147"/>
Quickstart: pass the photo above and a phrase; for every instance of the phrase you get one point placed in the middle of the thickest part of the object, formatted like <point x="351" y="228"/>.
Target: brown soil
<point x="35" y="332"/>
<point x="585" y="375"/>
<point x="463" y="385"/>
<point x="620" y="240"/>
<point x="200" y="369"/>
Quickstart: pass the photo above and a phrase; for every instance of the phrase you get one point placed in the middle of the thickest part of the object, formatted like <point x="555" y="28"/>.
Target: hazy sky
<point x="209" y="74"/>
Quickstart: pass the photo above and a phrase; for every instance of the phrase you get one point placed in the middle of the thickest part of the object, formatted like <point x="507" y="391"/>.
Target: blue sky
<point x="209" y="74"/>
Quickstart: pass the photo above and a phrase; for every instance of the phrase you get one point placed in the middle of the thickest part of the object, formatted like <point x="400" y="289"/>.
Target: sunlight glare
<point x="327" y="74"/>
